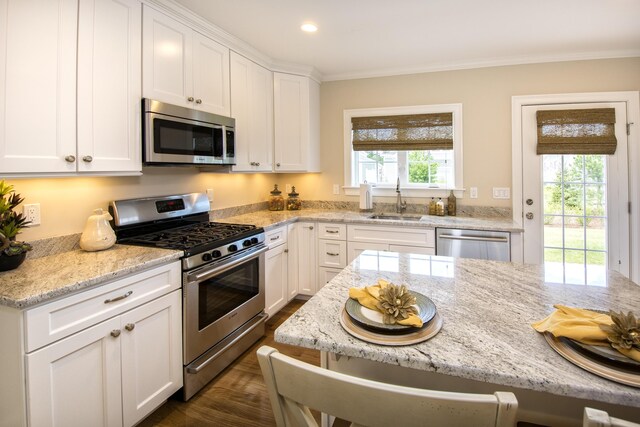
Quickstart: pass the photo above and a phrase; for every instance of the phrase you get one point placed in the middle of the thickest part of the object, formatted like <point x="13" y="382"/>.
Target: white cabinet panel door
<point x="276" y="286"/>
<point x="38" y="46"/>
<point x="356" y="248"/>
<point x="166" y="59"/>
<point x="109" y="86"/>
<point x="307" y="258"/>
<point x="210" y="75"/>
<point x="151" y="355"/>
<point x="76" y="381"/>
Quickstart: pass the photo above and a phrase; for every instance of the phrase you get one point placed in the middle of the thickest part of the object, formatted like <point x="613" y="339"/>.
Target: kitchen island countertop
<point x="487" y="309"/>
<point x="42" y="279"/>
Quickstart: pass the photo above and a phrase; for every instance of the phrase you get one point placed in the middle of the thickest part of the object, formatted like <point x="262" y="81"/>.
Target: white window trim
<point x="389" y="190"/>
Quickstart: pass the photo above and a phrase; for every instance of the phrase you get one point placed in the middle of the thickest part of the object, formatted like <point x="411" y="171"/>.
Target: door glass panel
<point x="575" y="219"/>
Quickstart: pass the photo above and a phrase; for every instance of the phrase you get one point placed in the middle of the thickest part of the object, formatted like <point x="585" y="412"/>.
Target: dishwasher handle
<point x="476" y="238"/>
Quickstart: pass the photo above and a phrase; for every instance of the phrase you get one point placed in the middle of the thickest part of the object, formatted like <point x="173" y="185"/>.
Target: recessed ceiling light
<point x="309" y="27"/>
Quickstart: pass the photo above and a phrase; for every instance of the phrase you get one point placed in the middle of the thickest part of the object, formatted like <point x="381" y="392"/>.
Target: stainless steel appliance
<point x="480" y="244"/>
<point x="176" y="135"/>
<point x="223" y="277"/>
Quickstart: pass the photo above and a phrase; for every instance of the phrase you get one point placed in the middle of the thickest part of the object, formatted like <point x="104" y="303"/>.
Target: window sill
<point x="390" y="191"/>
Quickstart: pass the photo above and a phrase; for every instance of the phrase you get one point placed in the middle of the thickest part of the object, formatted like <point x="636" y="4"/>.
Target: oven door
<point x="221" y="297"/>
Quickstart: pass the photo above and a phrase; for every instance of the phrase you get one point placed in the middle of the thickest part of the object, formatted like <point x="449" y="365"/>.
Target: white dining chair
<point x="294" y="387"/>
<point x="597" y="418"/>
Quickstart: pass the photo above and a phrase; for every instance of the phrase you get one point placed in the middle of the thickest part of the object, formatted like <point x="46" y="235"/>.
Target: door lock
<point x="529" y="215"/>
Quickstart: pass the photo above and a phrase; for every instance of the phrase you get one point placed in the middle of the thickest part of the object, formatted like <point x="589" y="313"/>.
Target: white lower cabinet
<point x="384" y="238"/>
<point x="307" y="258"/>
<point x="325" y="274"/>
<point x="276" y="271"/>
<point x="107" y="356"/>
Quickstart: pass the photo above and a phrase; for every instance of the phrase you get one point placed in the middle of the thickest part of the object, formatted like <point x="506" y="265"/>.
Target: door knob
<point x="70" y="159"/>
<point x="198" y="101"/>
<point x="130" y="326"/>
<point x="529" y="215"/>
<point x="529" y="202"/>
<point x="190" y="99"/>
<point x="87" y="159"/>
<point x="115" y="333"/>
<point x="277" y="164"/>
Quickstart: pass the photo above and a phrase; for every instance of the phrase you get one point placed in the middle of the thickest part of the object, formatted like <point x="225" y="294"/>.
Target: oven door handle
<point x="263" y="318"/>
<point x="197" y="277"/>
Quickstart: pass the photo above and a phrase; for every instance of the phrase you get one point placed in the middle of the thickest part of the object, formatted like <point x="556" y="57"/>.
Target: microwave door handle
<point x="180" y="120"/>
<point x="197" y="277"/>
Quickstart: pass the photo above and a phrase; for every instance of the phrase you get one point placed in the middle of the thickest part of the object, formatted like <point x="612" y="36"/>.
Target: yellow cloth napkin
<point x="368" y="297"/>
<point x="580" y="325"/>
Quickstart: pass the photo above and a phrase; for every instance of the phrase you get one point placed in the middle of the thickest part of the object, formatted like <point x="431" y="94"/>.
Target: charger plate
<point x="427" y="331"/>
<point x="611" y="372"/>
<point x="373" y="318"/>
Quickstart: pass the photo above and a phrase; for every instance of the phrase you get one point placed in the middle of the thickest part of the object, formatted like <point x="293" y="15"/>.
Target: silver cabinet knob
<point x="277" y="165"/>
<point x="198" y="101"/>
<point x="115" y="333"/>
<point x="529" y="202"/>
<point x="130" y="326"/>
<point x="70" y="158"/>
<point x="87" y="159"/>
<point x="190" y="99"/>
<point x="257" y="163"/>
<point x="529" y="215"/>
<point x="253" y="164"/>
<point x="286" y="251"/>
<point x="311" y="227"/>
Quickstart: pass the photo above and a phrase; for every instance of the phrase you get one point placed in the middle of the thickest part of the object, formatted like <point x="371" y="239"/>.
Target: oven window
<point x="184" y="138"/>
<point x="226" y="292"/>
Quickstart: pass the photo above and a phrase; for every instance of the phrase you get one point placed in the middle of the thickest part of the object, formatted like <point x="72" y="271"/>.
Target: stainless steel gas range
<point x="223" y="277"/>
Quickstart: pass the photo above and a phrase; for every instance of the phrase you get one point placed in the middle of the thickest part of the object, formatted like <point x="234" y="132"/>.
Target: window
<point x="420" y="145"/>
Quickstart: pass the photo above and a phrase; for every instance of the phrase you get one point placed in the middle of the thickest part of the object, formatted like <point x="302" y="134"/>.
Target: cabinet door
<point x="293" y="263"/>
<point x="210" y="75"/>
<point x="37" y="85"/>
<point x="325" y="274"/>
<point x="109" y="86"/>
<point x="291" y="117"/>
<point x="276" y="286"/>
<point x="151" y="355"/>
<point x="354" y="249"/>
<point x="76" y="381"/>
<point x="252" y="107"/>
<point x="307" y="258"/>
<point x="166" y="59"/>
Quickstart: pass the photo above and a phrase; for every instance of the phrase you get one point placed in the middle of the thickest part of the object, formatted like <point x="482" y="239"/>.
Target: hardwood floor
<point x="236" y="397"/>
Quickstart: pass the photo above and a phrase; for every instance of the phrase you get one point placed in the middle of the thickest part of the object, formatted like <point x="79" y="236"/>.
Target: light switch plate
<point x="473" y="193"/>
<point x="336" y="188"/>
<point x="501" y="193"/>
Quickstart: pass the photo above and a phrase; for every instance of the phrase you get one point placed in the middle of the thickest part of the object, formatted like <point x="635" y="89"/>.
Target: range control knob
<point x="207" y="257"/>
<point x="246" y="243"/>
<point x="216" y="254"/>
<point x="254" y="240"/>
<point x="232" y="248"/>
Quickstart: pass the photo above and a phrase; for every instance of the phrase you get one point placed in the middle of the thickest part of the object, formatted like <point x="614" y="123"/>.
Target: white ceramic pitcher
<point x="98" y="234"/>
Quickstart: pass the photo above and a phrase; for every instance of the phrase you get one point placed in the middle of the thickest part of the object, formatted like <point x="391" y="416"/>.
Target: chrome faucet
<point x="400" y="205"/>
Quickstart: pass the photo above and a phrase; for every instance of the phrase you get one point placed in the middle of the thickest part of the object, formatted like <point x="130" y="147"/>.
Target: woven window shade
<point x="589" y="131"/>
<point x="403" y="133"/>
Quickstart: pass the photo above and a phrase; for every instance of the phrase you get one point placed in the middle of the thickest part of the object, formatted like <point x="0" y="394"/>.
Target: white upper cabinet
<point x="182" y="67"/>
<point x="42" y="43"/>
<point x="252" y="107"/>
<point x="296" y="123"/>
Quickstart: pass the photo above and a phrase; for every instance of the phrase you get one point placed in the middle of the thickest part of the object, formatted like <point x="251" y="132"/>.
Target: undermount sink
<point x="396" y="217"/>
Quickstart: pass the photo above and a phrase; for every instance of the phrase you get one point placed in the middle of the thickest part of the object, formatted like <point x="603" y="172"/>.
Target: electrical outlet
<point x="473" y="193"/>
<point x="210" y="194"/>
<point x="336" y="188"/>
<point x="32" y="213"/>
<point x="501" y="193"/>
<point x="287" y="188"/>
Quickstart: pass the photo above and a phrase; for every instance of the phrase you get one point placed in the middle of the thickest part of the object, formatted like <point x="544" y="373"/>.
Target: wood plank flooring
<point x="236" y="397"/>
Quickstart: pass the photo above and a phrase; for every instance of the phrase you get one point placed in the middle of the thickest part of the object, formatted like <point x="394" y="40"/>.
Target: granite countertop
<point x="487" y="309"/>
<point x="272" y="219"/>
<point x="42" y="279"/>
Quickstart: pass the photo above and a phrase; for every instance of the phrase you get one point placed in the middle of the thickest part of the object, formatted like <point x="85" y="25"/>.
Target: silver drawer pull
<point x="332" y="231"/>
<point x="130" y="326"/>
<point x="110" y="300"/>
<point x="332" y="254"/>
<point x="275" y="238"/>
<point x="115" y="333"/>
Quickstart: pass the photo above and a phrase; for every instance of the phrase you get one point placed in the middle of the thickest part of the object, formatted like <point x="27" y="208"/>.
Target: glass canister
<point x="293" y="202"/>
<point x="276" y="201"/>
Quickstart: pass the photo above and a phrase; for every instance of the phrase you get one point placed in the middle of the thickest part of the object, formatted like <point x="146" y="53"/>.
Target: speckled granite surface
<point x="268" y="219"/>
<point x="47" y="277"/>
<point x="487" y="308"/>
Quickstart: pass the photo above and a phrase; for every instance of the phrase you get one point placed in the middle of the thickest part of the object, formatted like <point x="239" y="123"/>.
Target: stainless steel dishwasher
<point x="480" y="244"/>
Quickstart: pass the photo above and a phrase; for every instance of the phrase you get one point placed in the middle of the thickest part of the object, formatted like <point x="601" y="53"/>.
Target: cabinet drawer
<point x="332" y="231"/>
<point x="276" y="237"/>
<point x="392" y="235"/>
<point x="332" y="253"/>
<point x="58" y="319"/>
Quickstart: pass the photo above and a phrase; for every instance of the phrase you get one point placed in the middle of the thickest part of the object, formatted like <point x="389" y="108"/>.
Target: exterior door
<point x="576" y="220"/>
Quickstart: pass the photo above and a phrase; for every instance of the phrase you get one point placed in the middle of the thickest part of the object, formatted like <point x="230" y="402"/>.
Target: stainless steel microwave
<point x="174" y="135"/>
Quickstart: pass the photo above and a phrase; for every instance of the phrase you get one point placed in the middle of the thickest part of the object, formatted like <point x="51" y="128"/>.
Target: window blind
<point x="586" y="131"/>
<point x="402" y="133"/>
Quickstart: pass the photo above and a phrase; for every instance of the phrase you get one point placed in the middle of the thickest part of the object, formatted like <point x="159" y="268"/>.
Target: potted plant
<point x="12" y="252"/>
